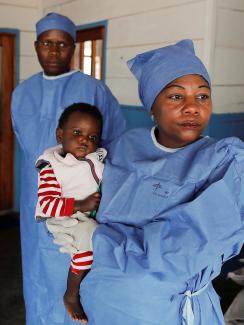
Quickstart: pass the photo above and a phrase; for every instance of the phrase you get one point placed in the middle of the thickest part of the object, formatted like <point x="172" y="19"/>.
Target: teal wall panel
<point x="220" y="125"/>
<point x="227" y="125"/>
<point x="136" y="117"/>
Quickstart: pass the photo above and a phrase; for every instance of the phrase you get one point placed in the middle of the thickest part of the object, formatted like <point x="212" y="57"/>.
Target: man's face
<point x="55" y="49"/>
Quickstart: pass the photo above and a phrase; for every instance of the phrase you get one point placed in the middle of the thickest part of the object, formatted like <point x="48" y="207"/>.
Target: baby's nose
<point x="83" y="139"/>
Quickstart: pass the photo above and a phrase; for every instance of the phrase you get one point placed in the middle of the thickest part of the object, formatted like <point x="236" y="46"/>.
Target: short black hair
<point x="81" y="108"/>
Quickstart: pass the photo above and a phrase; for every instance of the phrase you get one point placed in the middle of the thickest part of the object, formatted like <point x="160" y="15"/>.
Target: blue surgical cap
<point x="56" y="21"/>
<point x="155" y="69"/>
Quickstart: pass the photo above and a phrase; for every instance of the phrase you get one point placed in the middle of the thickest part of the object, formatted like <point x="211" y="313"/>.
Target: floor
<point x="11" y="302"/>
<point x="12" y="310"/>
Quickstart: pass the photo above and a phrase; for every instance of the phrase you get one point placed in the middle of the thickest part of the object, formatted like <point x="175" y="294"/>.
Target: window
<point x="89" y="50"/>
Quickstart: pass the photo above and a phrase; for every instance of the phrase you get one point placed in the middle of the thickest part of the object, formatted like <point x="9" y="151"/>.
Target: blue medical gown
<point x="168" y="223"/>
<point x="37" y="104"/>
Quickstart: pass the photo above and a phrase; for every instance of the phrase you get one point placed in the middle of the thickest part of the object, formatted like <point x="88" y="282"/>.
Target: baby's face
<point x="80" y="135"/>
<point x="182" y="111"/>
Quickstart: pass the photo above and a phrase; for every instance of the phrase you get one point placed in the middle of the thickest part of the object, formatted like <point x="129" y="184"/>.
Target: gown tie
<point x="187" y="313"/>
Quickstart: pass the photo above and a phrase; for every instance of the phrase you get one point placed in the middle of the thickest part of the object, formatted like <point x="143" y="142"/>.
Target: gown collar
<point x="60" y="75"/>
<point x="160" y="146"/>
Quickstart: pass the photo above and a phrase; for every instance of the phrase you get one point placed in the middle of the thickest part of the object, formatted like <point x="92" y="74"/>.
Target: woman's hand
<point x="88" y="204"/>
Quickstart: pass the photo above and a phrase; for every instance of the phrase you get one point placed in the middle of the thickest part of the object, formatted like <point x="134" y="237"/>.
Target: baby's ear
<point x="59" y="135"/>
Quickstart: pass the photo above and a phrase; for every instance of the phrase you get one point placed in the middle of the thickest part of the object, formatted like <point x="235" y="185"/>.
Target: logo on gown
<point x="159" y="191"/>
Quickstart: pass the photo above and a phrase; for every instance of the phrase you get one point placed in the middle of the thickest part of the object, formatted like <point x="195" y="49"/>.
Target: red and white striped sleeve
<point x="81" y="261"/>
<point x="50" y="197"/>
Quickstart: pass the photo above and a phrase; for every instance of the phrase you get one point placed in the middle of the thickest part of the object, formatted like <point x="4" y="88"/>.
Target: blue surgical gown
<point x="168" y="221"/>
<point x="37" y="104"/>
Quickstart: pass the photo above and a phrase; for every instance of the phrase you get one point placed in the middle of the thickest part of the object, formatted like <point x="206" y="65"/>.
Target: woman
<point x="171" y="210"/>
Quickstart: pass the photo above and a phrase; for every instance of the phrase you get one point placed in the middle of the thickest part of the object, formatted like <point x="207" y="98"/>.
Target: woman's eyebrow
<point x="174" y="85"/>
<point x="204" y="86"/>
<point x="182" y="87"/>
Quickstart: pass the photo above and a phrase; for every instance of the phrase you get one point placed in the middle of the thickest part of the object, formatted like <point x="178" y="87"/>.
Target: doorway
<point x="7" y="82"/>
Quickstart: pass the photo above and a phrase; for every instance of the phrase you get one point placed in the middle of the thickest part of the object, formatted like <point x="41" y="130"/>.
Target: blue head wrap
<point x="155" y="69"/>
<point x="56" y="21"/>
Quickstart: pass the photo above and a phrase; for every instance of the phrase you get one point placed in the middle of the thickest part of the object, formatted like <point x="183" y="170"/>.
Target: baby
<point x="69" y="179"/>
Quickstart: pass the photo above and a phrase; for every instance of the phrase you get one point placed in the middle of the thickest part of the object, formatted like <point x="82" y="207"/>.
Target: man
<point x="37" y="104"/>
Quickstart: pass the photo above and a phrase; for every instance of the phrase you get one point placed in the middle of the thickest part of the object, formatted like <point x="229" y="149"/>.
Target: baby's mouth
<point x="82" y="147"/>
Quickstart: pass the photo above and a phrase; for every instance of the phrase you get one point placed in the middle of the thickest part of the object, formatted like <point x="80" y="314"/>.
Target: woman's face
<point x="182" y="111"/>
<point x="54" y="50"/>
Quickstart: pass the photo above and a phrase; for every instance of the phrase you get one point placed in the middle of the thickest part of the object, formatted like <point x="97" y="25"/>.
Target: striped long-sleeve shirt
<point x="62" y="180"/>
<point x="53" y="204"/>
<point x="50" y="197"/>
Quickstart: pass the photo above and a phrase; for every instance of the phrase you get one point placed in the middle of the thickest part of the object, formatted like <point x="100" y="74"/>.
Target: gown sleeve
<point x="191" y="236"/>
<point x="15" y="103"/>
<point x="113" y="120"/>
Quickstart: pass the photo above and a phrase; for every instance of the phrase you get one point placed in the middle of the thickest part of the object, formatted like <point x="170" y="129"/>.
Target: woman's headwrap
<point x="56" y="21"/>
<point x="157" y="68"/>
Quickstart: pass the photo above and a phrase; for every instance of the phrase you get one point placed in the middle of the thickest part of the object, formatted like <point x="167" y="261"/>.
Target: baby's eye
<point x="76" y="132"/>
<point x="93" y="138"/>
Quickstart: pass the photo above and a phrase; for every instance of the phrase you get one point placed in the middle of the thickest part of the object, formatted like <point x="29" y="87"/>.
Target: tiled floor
<point x="11" y="301"/>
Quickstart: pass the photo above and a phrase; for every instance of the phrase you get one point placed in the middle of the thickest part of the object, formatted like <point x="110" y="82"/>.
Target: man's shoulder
<point x="89" y="80"/>
<point x="29" y="82"/>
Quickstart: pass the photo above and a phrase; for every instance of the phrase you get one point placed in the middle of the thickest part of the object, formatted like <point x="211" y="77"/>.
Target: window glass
<point x="88" y="48"/>
<point x="87" y="65"/>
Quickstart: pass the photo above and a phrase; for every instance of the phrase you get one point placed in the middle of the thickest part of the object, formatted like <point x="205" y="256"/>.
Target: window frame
<point x="92" y="28"/>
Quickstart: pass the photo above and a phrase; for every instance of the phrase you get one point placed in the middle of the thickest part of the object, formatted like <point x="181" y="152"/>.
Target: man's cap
<point x="56" y="21"/>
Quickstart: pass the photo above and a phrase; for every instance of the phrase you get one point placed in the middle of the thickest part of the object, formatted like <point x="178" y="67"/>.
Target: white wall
<point x="228" y="75"/>
<point x="134" y="26"/>
<point x="22" y="15"/>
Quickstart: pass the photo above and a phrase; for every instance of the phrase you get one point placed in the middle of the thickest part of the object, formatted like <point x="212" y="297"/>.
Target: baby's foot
<point x="74" y="308"/>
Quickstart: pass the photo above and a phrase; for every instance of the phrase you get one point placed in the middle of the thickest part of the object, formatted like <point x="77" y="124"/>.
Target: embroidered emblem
<point x="156" y="187"/>
<point x="158" y="190"/>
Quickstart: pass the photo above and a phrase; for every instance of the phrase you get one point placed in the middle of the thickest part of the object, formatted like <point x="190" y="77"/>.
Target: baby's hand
<point x="88" y="204"/>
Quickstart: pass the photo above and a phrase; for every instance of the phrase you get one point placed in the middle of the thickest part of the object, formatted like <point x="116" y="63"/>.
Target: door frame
<point x="16" y="153"/>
